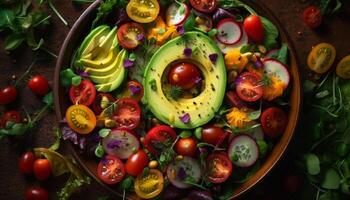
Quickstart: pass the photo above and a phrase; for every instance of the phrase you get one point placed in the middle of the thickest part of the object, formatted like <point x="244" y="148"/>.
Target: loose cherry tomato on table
<point x="36" y="193"/>
<point x="343" y="68"/>
<point x="212" y="134"/>
<point x="136" y="163"/>
<point x="321" y="58"/>
<point x="128" y="35"/>
<point x="254" y="28"/>
<point x="127" y="113"/>
<point x="249" y="87"/>
<point x="39" y="85"/>
<point x="111" y="170"/>
<point x="144" y="11"/>
<point x="42" y="169"/>
<point x="206" y="6"/>
<point x="159" y="138"/>
<point x="101" y="102"/>
<point x="184" y="75"/>
<point x="186" y="147"/>
<point x="8" y="95"/>
<point x="219" y="167"/>
<point x="312" y="16"/>
<point x="273" y="121"/>
<point x="84" y="93"/>
<point x="26" y="162"/>
<point x="13" y="116"/>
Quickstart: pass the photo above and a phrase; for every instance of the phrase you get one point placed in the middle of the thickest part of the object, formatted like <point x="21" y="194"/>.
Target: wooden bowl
<point x="82" y="27"/>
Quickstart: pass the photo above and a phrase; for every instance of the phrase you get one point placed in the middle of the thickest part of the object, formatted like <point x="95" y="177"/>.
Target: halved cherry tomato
<point x="136" y="162"/>
<point x="249" y="87"/>
<point x="127" y="113"/>
<point x="206" y="6"/>
<point x="159" y="138"/>
<point x="111" y="170"/>
<point x="128" y="35"/>
<point x="36" y="193"/>
<point x="39" y="85"/>
<point x="312" y="16"/>
<point x="184" y="75"/>
<point x="273" y="122"/>
<point x="81" y="119"/>
<point x="186" y="147"/>
<point x="212" y="134"/>
<point x="321" y="58"/>
<point x="26" y="162"/>
<point x="8" y="95"/>
<point x="134" y="90"/>
<point x="42" y="169"/>
<point x="343" y="68"/>
<point x="219" y="167"/>
<point x="254" y="28"/>
<point x="149" y="185"/>
<point x="102" y="101"/>
<point x="12" y="116"/>
<point x="84" y="93"/>
<point x="145" y="11"/>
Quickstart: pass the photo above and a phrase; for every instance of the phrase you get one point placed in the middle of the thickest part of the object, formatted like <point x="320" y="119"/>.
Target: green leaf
<point x="190" y="23"/>
<point x="72" y="185"/>
<point x="7" y="17"/>
<point x="312" y="164"/>
<point x="76" y="80"/>
<point x="127" y="183"/>
<point x="283" y="54"/>
<point x="331" y="180"/>
<point x="254" y="115"/>
<point x="270" y="33"/>
<point x="185" y="134"/>
<point x="26" y="22"/>
<point x="48" y="99"/>
<point x="13" y="41"/>
<point x="329" y="195"/>
<point x="55" y="146"/>
<point x="38" y="45"/>
<point x="104" y="132"/>
<point x="263" y="147"/>
<point x="198" y="133"/>
<point x="99" y="151"/>
<point x="212" y="32"/>
<point x="236" y="4"/>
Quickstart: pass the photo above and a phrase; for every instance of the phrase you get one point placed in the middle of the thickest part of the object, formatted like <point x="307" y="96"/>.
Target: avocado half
<point x="201" y="108"/>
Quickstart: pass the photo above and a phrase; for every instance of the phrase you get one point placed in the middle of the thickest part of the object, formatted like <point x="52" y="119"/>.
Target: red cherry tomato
<point x="96" y="106"/>
<point x="84" y="93"/>
<point x="128" y="35"/>
<point x="13" y="116"/>
<point x="219" y="167"/>
<point x="249" y="87"/>
<point x="136" y="163"/>
<point x="212" y="134"/>
<point x="273" y="122"/>
<point x="254" y="28"/>
<point x="159" y="138"/>
<point x="233" y="99"/>
<point x="111" y="170"/>
<point x="39" y="85"/>
<point x="184" y="75"/>
<point x="312" y="16"/>
<point x="36" y="193"/>
<point x="134" y="90"/>
<point x="26" y="162"/>
<point x="42" y="169"/>
<point x="127" y="113"/>
<point x="8" y="95"/>
<point x="206" y="6"/>
<point x="186" y="147"/>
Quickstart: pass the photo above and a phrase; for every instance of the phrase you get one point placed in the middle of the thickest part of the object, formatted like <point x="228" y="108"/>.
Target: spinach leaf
<point x="331" y="180"/>
<point x="283" y="54"/>
<point x="270" y="33"/>
<point x="312" y="164"/>
<point x="236" y="4"/>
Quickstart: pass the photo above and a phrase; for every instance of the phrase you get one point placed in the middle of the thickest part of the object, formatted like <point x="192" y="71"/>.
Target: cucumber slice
<point x="243" y="151"/>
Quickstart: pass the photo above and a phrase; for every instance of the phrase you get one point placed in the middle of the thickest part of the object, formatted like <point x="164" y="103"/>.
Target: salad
<point x="177" y="99"/>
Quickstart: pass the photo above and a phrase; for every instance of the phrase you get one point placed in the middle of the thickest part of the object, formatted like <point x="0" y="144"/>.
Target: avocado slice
<point x="201" y="108"/>
<point x="92" y="40"/>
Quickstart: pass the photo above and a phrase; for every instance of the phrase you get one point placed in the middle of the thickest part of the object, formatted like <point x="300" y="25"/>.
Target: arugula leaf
<point x="270" y="33"/>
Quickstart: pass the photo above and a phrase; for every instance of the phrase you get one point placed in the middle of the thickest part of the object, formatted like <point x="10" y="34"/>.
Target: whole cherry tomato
<point x="136" y="163"/>
<point x="42" y="169"/>
<point x="36" y="193"/>
<point x="8" y="95"/>
<point x="184" y="75"/>
<point x="13" y="116"/>
<point x="212" y="134"/>
<point x="312" y="16"/>
<point x="26" y="162"/>
<point x="186" y="147"/>
<point x="254" y="28"/>
<point x="39" y="85"/>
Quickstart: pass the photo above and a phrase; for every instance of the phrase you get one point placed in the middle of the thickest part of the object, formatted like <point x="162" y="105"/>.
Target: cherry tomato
<point x="254" y="28"/>
<point x="273" y="122"/>
<point x="84" y="93"/>
<point x="26" y="162"/>
<point x="312" y="16"/>
<point x="111" y="170"/>
<point x="159" y="138"/>
<point x="81" y="119"/>
<point x="42" y="169"/>
<point x="144" y="11"/>
<point x="149" y="185"/>
<point x="184" y="75"/>
<point x="219" y="167"/>
<point x="36" y="193"/>
<point x="343" y="68"/>
<point x="233" y="100"/>
<point x="212" y="134"/>
<point x="128" y="35"/>
<point x="2" y="122"/>
<point x="186" y="147"/>
<point x="102" y="100"/>
<point x="249" y="87"/>
<point x="39" y="85"/>
<point x="206" y="6"/>
<point x="12" y="116"/>
<point x="321" y="58"/>
<point x="134" y="90"/>
<point x="8" y="95"/>
<point x="136" y="162"/>
<point x="127" y="113"/>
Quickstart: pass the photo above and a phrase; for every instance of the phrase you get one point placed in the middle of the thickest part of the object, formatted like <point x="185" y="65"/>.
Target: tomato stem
<point x="27" y="71"/>
<point x="57" y="13"/>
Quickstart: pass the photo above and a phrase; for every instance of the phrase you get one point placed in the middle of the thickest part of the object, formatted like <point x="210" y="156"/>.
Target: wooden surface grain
<point x="334" y="30"/>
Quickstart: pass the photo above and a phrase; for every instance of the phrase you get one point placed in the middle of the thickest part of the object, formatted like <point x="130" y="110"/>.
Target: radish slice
<point x="229" y="31"/>
<point x="274" y="67"/>
<point x="272" y="53"/>
<point x="178" y="171"/>
<point x="176" y="14"/>
<point x="226" y="48"/>
<point x="243" y="151"/>
<point x="120" y="143"/>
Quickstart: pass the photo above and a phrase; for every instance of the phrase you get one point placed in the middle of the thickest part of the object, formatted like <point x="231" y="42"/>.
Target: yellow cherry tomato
<point x="150" y="185"/>
<point x="235" y="60"/>
<point x="143" y="11"/>
<point x="81" y="119"/>
<point x="343" y="68"/>
<point x="321" y="58"/>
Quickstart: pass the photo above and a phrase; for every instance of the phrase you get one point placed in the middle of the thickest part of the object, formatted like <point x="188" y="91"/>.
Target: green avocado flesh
<point x="100" y="56"/>
<point x="201" y="108"/>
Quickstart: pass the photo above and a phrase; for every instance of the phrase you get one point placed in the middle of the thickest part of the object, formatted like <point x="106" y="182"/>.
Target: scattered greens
<point x="106" y="7"/>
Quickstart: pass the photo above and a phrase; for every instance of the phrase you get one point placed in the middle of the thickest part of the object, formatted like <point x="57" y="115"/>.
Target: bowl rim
<point x="296" y="86"/>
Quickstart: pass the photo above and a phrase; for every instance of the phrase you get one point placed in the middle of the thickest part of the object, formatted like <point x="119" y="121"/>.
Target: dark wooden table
<point x="12" y="184"/>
